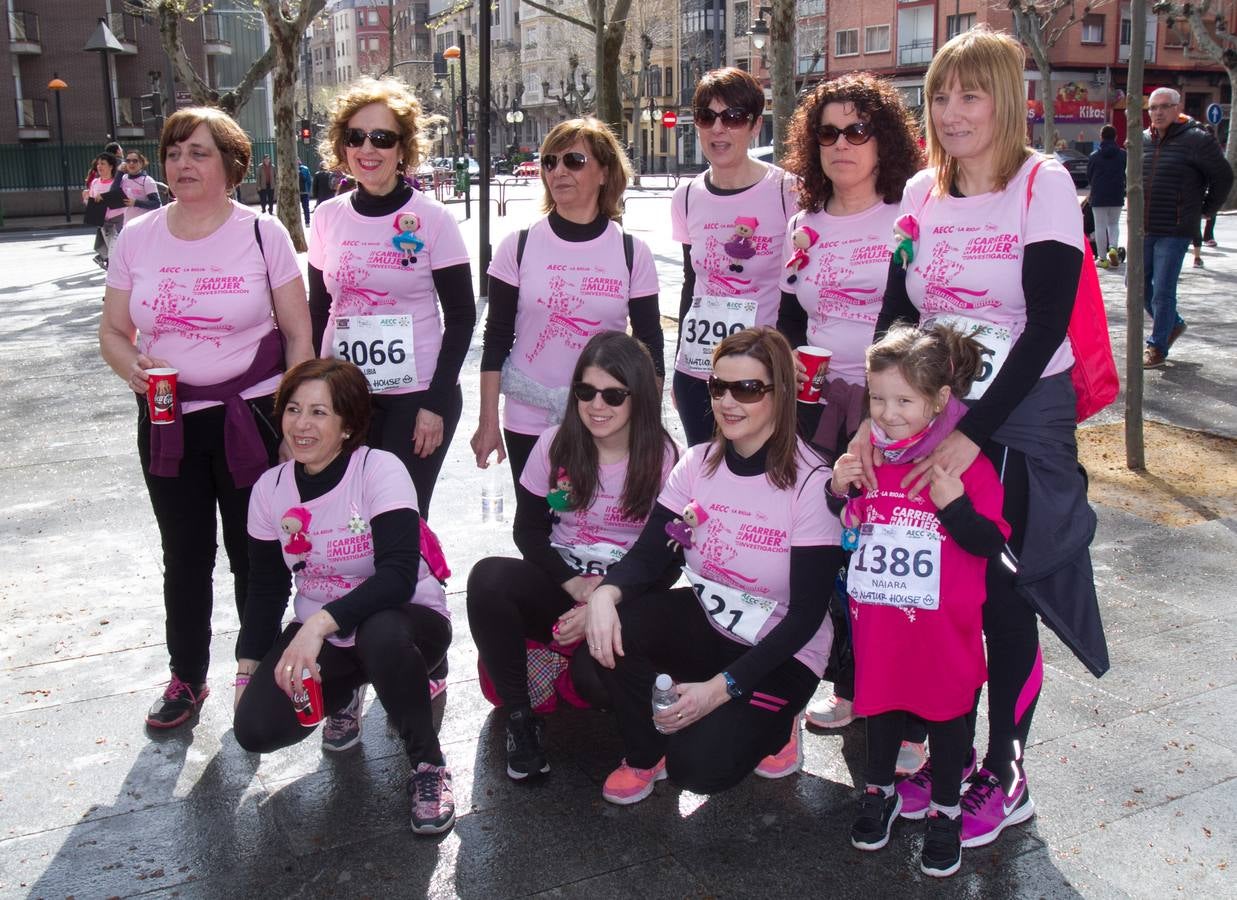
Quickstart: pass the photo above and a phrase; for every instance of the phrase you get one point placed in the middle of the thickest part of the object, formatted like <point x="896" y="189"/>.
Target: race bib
<point x="708" y="322"/>
<point x="996" y="341"/>
<point x="732" y="610"/>
<point x="590" y="559"/>
<point x="896" y="565"/>
<point x="381" y="347"/>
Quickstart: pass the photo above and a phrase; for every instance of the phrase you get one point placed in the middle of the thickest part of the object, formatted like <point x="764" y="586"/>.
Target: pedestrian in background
<point x="322" y="187"/>
<point x="140" y="190"/>
<point x="105" y="172"/>
<point x="306" y="180"/>
<point x="1106" y="177"/>
<point x="1208" y="235"/>
<point x="266" y="184"/>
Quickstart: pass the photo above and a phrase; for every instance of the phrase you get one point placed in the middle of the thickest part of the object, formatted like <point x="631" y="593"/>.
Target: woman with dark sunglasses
<point x="747" y="641"/>
<point x="730" y="221"/>
<point x="583" y="497"/>
<point x="140" y="190"/>
<point x="555" y="284"/>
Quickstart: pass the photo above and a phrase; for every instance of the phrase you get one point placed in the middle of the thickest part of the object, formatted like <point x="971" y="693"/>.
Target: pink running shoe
<point x="627" y="785"/>
<point x="916" y="791"/>
<point x="786" y="761"/>
<point x="987" y="810"/>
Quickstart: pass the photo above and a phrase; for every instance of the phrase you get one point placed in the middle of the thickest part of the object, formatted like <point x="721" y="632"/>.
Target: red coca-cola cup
<point x="161" y="395"/>
<point x="308" y="701"/>
<point x="816" y="361"/>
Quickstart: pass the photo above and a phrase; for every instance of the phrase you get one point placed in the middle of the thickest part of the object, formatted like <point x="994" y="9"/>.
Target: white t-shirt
<point x="138" y="188"/>
<point x="843" y="284"/>
<point x="569" y="291"/>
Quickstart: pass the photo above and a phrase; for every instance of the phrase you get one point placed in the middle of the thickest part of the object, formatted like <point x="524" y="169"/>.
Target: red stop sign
<point x="670" y="118"/>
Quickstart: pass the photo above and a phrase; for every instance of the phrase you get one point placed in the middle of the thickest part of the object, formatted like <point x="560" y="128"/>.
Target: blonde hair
<point x="604" y="148"/>
<point x="395" y="96"/>
<point x="994" y="63"/>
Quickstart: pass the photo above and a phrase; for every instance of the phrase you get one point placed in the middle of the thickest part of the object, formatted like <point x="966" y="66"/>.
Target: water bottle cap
<point x="664" y="682"/>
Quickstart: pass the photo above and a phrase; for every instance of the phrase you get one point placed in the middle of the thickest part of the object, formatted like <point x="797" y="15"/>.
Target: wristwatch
<point x="732" y="688"/>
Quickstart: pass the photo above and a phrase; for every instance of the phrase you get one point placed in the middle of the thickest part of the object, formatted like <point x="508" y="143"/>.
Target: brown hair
<point x="395" y="96"/>
<point x="349" y="392"/>
<point x="994" y="63"/>
<point x="230" y="138"/>
<point x="769" y="348"/>
<point x="573" y="448"/>
<point x="605" y="149"/>
<point x="732" y="86"/>
<point x="878" y="103"/>
<point x="929" y="358"/>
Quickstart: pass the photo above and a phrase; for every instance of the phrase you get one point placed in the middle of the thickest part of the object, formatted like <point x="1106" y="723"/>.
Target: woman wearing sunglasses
<point x="383" y="259"/>
<point x="583" y="497"/>
<point x="999" y="253"/>
<point x="555" y="284"/>
<point x="747" y="641"/>
<point x="730" y="221"/>
<point x="140" y="190"/>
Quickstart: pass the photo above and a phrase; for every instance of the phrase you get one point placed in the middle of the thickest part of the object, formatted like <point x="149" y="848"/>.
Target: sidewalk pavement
<point x="1133" y="774"/>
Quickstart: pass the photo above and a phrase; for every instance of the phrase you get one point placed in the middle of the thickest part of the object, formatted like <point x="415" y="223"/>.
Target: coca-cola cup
<point x="308" y="700"/>
<point x="816" y="361"/>
<point x="161" y="395"/>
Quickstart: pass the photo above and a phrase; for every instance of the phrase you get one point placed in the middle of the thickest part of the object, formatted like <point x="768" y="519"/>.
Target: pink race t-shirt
<point x="842" y="284"/>
<point x="744" y="543"/>
<point x="968" y="259"/>
<point x="603" y="522"/>
<point x="203" y="305"/>
<point x="569" y="291"/>
<point x="138" y="188"/>
<point x="925" y="661"/>
<point x="97" y="189"/>
<point x="337" y="544"/>
<point x="736" y="240"/>
<point x="377" y="266"/>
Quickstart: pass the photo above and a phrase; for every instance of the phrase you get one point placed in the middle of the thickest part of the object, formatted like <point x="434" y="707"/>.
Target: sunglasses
<point x="379" y="137"/>
<point x="856" y="133"/>
<point x="749" y="390"/>
<point x="133" y="161"/>
<point x="731" y="116"/>
<point x="574" y="161"/>
<point x="585" y="392"/>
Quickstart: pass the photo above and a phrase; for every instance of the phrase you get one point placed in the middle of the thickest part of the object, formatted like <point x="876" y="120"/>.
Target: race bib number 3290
<point x="710" y="321"/>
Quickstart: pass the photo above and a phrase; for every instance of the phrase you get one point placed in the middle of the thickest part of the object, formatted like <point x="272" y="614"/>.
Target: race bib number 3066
<point x="709" y="321"/>
<point x="896" y="565"/>
<point x="380" y="346"/>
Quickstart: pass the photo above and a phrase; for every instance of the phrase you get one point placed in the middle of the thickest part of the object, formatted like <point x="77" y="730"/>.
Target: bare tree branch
<point x="558" y="14"/>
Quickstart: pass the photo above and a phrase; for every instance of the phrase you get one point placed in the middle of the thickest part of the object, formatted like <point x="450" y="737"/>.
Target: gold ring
<point x="680" y="715"/>
<point x="287" y="668"/>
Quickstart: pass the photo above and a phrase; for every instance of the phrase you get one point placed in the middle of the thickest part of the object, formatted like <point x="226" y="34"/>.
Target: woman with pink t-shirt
<point x="140" y="190"/>
<point x="341" y="521"/>
<point x="208" y="288"/>
<point x="583" y="497"/>
<point x="747" y="641"/>
<point x="569" y="275"/>
<point x="105" y="166"/>
<point x="731" y="222"/>
<point x="916" y="582"/>
<point x="383" y="259"/>
<point x="993" y="246"/>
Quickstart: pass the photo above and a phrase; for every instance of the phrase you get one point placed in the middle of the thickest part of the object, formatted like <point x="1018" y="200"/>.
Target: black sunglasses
<point x="732" y="117"/>
<point x="574" y="161"/>
<point x="749" y="390"/>
<point x="131" y="161"/>
<point x="585" y="392"/>
<point x="856" y="133"/>
<point x="379" y="137"/>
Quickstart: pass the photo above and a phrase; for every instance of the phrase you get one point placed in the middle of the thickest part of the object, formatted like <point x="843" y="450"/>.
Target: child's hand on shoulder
<point x="847" y="472"/>
<point x="944" y="488"/>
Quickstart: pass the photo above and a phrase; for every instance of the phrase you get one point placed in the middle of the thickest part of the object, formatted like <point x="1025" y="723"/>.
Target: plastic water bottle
<point x="664" y="694"/>
<point x="492" y="494"/>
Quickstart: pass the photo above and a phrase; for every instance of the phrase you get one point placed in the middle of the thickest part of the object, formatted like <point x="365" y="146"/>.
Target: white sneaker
<point x="911" y="757"/>
<point x="836" y="712"/>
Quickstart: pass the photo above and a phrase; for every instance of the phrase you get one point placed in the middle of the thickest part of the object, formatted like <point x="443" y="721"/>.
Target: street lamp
<point x="759" y="32"/>
<point x="436" y="90"/>
<point x="103" y="42"/>
<point x="56" y="85"/>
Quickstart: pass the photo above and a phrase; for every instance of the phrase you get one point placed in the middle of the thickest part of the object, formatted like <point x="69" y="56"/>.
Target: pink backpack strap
<point x="1031" y="179"/>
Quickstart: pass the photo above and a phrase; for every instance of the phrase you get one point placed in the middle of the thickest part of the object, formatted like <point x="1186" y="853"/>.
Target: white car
<point x="764" y="154"/>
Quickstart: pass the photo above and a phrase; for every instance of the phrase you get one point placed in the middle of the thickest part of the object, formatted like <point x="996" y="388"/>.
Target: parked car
<point x="764" y="154"/>
<point x="1075" y="163"/>
<point x="528" y="169"/>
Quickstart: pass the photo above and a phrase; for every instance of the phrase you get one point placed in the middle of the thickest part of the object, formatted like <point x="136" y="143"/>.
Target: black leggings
<point x="185" y="509"/>
<point x="669" y="632"/>
<point x="951" y="746"/>
<point x="691" y="397"/>
<point x="392" y="426"/>
<point x="519" y="449"/>
<point x="393" y="651"/>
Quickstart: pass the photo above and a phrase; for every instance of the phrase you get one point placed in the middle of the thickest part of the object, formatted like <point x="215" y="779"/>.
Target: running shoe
<point x="875" y="819"/>
<point x="627" y="784"/>
<point x="433" y="801"/>
<point x="1211" y="243"/>
<point x="1114" y="258"/>
<point x="525" y="751"/>
<point x="1198" y="262"/>
<point x="179" y="701"/>
<point x="916" y="791"/>
<point x="786" y="761"/>
<point x="343" y="729"/>
<point x="1178" y="330"/>
<point x="987" y="809"/>
<point x="911" y="757"/>
<point x="941" y="855"/>
<point x="836" y="712"/>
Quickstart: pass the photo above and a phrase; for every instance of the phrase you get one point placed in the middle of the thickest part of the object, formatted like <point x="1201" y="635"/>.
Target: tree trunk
<point x="1050" y="106"/>
<point x="610" y="54"/>
<point x="1135" y="457"/>
<point x="782" y="70"/>
<point x="1230" y="149"/>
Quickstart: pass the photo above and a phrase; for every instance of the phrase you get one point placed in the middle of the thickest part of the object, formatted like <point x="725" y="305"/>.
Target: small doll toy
<point x="803" y="239"/>
<point x="905" y="233"/>
<point x="560" y="498"/>
<point x="407" y="242"/>
<point x="740" y="246"/>
<point x="295" y="522"/>
<point x="681" y="530"/>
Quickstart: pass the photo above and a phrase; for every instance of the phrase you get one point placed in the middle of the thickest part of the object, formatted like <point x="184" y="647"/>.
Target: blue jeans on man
<point x="1162" y="258"/>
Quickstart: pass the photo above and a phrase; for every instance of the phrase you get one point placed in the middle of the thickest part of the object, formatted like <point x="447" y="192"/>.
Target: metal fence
<point x="34" y="167"/>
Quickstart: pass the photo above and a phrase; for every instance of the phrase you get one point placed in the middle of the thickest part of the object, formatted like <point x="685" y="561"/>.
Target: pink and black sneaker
<point x="180" y="700"/>
<point x="987" y="809"/>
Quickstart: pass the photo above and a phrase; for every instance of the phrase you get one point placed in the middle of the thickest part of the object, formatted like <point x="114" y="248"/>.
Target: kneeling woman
<point x="343" y="519"/>
<point x="582" y="500"/>
<point x="747" y="642"/>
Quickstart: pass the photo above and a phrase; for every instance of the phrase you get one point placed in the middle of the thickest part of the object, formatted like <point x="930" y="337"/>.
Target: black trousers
<point x="394" y="650"/>
<point x="519" y="449"/>
<point x="951" y="745"/>
<point x="266" y="198"/>
<point x="392" y="426"/>
<point x="691" y="396"/>
<point x="669" y="632"/>
<point x="185" y="510"/>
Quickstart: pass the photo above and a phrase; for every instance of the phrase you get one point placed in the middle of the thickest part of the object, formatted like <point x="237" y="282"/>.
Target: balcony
<point x="124" y="26"/>
<point x="32" y="122"/>
<point x="213" y="41"/>
<point x="130" y="122"/>
<point x="1123" y="52"/>
<point x="24" y="33"/>
<point x="915" y="53"/>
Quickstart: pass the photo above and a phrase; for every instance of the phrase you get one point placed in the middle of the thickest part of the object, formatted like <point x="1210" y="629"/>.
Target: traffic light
<point x="152" y="105"/>
<point x="306" y="132"/>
